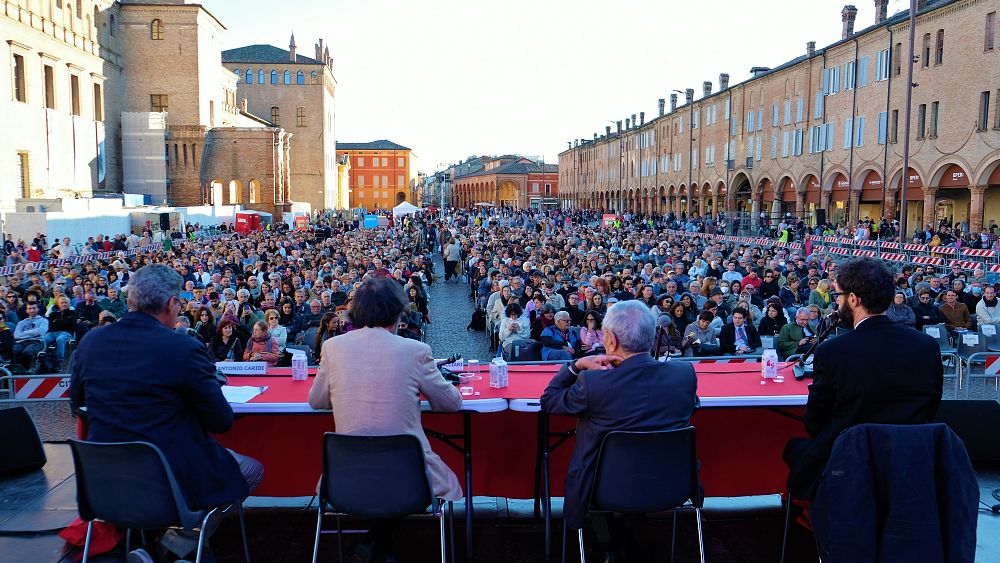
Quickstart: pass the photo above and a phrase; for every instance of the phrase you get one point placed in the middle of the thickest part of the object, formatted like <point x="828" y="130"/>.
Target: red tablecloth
<point x="739" y="447"/>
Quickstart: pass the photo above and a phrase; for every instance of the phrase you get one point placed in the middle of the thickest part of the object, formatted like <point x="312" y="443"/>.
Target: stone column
<point x="800" y="203"/>
<point x="754" y="211"/>
<point x="976" y="200"/>
<point x="889" y="207"/>
<point x="853" y="201"/>
<point x="824" y="201"/>
<point x="930" y="195"/>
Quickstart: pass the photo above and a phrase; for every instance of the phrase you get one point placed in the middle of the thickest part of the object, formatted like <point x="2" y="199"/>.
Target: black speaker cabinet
<point x="975" y="422"/>
<point x="820" y="216"/>
<point x="19" y="442"/>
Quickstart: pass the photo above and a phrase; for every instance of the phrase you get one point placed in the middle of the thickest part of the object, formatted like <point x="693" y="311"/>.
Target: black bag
<point x="478" y="321"/>
<point x="523" y="350"/>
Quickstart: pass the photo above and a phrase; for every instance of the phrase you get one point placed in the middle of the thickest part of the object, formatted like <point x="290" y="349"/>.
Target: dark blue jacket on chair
<point x="897" y="493"/>
<point x="640" y="394"/>
<point x="141" y="381"/>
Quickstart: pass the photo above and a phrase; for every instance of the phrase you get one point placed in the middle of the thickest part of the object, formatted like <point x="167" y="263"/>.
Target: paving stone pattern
<point x="450" y="310"/>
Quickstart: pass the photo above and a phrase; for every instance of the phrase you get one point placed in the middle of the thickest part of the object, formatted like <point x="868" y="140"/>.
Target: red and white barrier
<point x="965" y="264"/>
<point x="992" y="365"/>
<point x="870" y="253"/>
<point x="979" y="252"/>
<point x="41" y="388"/>
<point x="893" y="257"/>
<point x="913" y="247"/>
<point x="928" y="261"/>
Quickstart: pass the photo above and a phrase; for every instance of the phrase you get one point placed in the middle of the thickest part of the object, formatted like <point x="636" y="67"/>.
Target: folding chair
<point x="989" y="334"/>
<point x="970" y="343"/>
<point x="939" y="332"/>
<point x="376" y="477"/>
<point x="130" y="485"/>
<point x="643" y="473"/>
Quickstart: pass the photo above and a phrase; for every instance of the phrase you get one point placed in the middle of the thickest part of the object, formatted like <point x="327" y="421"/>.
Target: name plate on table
<point x="456" y="366"/>
<point x="242" y="368"/>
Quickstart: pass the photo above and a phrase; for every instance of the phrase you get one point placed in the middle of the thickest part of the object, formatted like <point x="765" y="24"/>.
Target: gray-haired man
<point x="625" y="389"/>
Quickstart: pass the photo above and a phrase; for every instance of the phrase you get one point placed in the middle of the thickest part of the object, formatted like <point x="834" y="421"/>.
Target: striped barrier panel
<point x="40" y="388"/>
<point x="992" y="365"/>
<point x="942" y="250"/>
<point x="891" y="245"/>
<point x="928" y="261"/>
<point x="995" y="268"/>
<point x="859" y="252"/>
<point x="893" y="257"/>
<point x="965" y="264"/>
<point x="979" y="252"/>
<point x="867" y="243"/>
<point x="795" y="245"/>
<point x="841" y="251"/>
<point x="913" y="247"/>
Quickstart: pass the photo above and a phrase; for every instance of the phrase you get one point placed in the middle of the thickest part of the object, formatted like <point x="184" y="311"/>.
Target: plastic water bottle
<point x="299" y="371"/>
<point x="769" y="364"/>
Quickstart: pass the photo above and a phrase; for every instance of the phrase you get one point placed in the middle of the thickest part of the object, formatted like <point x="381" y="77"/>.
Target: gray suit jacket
<point x="372" y="380"/>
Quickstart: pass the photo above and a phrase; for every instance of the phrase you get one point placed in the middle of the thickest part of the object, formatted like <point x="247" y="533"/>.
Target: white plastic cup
<point x="466" y="390"/>
<point x="472" y="366"/>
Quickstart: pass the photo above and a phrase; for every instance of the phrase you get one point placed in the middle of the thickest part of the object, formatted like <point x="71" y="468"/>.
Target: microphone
<point x="799" y="369"/>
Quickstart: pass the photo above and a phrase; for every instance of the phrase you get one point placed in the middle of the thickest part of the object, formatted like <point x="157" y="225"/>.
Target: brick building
<point x="383" y="174"/>
<point x="507" y="181"/>
<point x="295" y="92"/>
<point x="132" y="96"/>
<point x="822" y="132"/>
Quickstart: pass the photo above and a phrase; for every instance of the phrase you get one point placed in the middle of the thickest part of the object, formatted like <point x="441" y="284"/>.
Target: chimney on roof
<point x="607" y="130"/>
<point x="811" y="48"/>
<point x="628" y="124"/>
<point x="326" y="56"/>
<point x="569" y="145"/>
<point x="291" y="48"/>
<point x="595" y="136"/>
<point x="635" y="123"/>
<point x="706" y="88"/>
<point x="319" y="50"/>
<point x="663" y="105"/>
<point x="881" y="10"/>
<point x="642" y="118"/>
<point x="688" y="95"/>
<point x="759" y="71"/>
<point x="723" y="81"/>
<point x="848" y="14"/>
<point x="673" y="103"/>
<point x="619" y="127"/>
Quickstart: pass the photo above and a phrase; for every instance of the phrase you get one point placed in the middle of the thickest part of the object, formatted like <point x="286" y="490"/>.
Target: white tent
<point x="405" y="208"/>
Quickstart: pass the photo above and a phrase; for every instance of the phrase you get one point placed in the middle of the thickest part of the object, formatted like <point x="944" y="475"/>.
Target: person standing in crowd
<point x="623" y="389"/>
<point x="349" y="380"/>
<point x="880" y="372"/>
<point x="452" y="258"/>
<point x="152" y="361"/>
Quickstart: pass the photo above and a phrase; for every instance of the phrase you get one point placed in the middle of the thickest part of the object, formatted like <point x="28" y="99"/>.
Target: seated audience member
<point x="545" y="319"/>
<point x="955" y="313"/>
<point x="988" y="308"/>
<point x="576" y="314"/>
<point x="739" y="336"/>
<point x="668" y="338"/>
<point x="904" y="389"/>
<point x="29" y="335"/>
<point x="225" y="346"/>
<point x="625" y="389"/>
<point x="152" y="360"/>
<point x="261" y="347"/>
<point x="700" y="339"/>
<point x="925" y="312"/>
<point x="513" y="327"/>
<point x="559" y="341"/>
<point x="183" y="326"/>
<point x="62" y="327"/>
<point x="900" y="312"/>
<point x="591" y="335"/>
<point x="205" y="324"/>
<point x="774" y="319"/>
<point x="797" y="337"/>
<point x="329" y="327"/>
<point x="374" y="394"/>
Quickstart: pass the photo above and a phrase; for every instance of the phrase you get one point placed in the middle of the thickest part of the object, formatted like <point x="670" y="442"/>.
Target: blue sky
<point x="453" y="78"/>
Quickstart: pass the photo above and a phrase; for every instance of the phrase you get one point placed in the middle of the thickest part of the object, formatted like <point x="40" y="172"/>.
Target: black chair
<point x="647" y="472"/>
<point x="130" y="485"/>
<point x="376" y="477"/>
<point x="991" y="337"/>
<point x="939" y="332"/>
<point x="22" y="448"/>
<point x="969" y="343"/>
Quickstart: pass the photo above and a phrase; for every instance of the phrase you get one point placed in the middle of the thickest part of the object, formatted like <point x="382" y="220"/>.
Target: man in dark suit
<point x="880" y="372"/>
<point x="626" y="389"/>
<point x="141" y="381"/>
<point x="739" y="336"/>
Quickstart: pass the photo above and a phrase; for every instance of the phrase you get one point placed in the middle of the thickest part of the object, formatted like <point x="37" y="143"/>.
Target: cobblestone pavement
<point x="450" y="310"/>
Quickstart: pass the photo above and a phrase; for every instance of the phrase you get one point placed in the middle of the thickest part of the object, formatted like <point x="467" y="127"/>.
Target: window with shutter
<point x="848" y="132"/>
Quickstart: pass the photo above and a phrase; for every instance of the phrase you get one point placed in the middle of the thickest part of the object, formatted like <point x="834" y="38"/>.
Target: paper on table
<point x="240" y="394"/>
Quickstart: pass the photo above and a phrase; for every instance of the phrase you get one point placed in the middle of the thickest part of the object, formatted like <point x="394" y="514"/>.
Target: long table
<point x="742" y="427"/>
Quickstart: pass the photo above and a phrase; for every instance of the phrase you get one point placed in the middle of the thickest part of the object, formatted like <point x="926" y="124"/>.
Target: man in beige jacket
<point x="373" y="379"/>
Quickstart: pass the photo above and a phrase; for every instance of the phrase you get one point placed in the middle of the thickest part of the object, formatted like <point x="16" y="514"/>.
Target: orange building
<point x="508" y="181"/>
<point x="383" y="174"/>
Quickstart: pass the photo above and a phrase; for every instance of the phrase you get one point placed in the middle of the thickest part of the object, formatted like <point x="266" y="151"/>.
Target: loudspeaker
<point x="975" y="422"/>
<point x="820" y="216"/>
<point x="164" y="221"/>
<point x="19" y="442"/>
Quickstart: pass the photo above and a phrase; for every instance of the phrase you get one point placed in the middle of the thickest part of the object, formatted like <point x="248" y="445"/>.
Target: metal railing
<point x="33" y="388"/>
